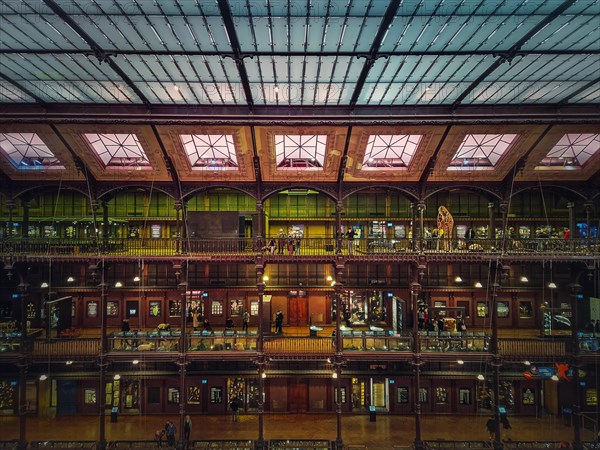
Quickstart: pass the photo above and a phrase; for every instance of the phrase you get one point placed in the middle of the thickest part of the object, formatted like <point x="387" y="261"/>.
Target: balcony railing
<point x="298" y="345"/>
<point x="308" y="247"/>
<point x="370" y="341"/>
<point x="352" y="341"/>
<point x="528" y="347"/>
<point x="444" y="341"/>
<point x="73" y="347"/>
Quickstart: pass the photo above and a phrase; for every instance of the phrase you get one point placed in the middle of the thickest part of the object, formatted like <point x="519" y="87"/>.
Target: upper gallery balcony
<point x="356" y="344"/>
<point x="307" y="248"/>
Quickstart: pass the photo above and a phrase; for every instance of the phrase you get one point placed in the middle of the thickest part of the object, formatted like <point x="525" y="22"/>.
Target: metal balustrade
<point x="370" y="341"/>
<point x="73" y="347"/>
<point x="529" y="347"/>
<point x="299" y="345"/>
<point x="444" y="341"/>
<point x="354" y="341"/>
<point x="308" y="247"/>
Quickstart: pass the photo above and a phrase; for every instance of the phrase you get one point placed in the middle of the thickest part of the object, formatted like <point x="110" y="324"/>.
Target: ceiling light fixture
<point x="552" y="285"/>
<point x="43" y="377"/>
<point x="135" y="362"/>
<point x="118" y="284"/>
<point x="136" y="279"/>
<point x="524" y="279"/>
<point x="458" y="279"/>
<point x="117" y="377"/>
<point x="480" y="377"/>
<point x="478" y="284"/>
<point x="70" y="279"/>
<point x="460" y="362"/>
<point x="44" y="285"/>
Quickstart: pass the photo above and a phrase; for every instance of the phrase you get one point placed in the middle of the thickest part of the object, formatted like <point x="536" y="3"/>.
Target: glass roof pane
<point x="119" y="151"/>
<point x="27" y="151"/>
<point x="300" y="152"/>
<point x="481" y="151"/>
<point x="390" y="151"/>
<point x="572" y="151"/>
<point x="210" y="151"/>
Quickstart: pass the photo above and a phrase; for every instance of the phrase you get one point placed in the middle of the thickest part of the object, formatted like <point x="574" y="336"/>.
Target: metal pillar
<point x="339" y="207"/>
<point x="574" y="290"/>
<point x="415" y="288"/>
<point x="496" y="361"/>
<point x="178" y="243"/>
<point x="260" y="286"/>
<point x="421" y="211"/>
<point x="182" y="286"/>
<point x="339" y="441"/>
<point x="23" y="289"/>
<point x="102" y="362"/>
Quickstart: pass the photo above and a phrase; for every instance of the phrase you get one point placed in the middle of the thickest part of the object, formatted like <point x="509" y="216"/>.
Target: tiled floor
<point x="386" y="432"/>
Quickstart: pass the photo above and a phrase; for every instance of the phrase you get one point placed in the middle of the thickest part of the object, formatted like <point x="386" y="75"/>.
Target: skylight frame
<point x="28" y="151"/>
<point x="300" y="151"/>
<point x="571" y="152"/>
<point x="118" y="151"/>
<point x="220" y="148"/>
<point x="482" y="151"/>
<point x="398" y="151"/>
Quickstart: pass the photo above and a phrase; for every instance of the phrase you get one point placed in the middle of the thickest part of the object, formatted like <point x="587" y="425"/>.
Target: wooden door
<point x="298" y="395"/>
<point x="298" y="311"/>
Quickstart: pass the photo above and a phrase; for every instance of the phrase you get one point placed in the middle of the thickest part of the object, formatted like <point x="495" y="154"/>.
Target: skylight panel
<point x="210" y="151"/>
<point x="390" y="151"/>
<point x="300" y="151"/>
<point x="27" y="151"/>
<point x="482" y="151"/>
<point x="571" y="152"/>
<point x="119" y="151"/>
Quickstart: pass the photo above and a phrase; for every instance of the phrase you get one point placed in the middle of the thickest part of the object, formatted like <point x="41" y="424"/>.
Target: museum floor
<point x="358" y="430"/>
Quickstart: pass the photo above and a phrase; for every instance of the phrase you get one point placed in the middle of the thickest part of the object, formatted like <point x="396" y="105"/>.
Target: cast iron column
<point x="11" y="206"/>
<point x="23" y="289"/>
<point x="491" y="224"/>
<point x="182" y="286"/>
<point x="339" y="207"/>
<point x="415" y="288"/>
<point x="339" y="442"/>
<point x="421" y="211"/>
<point x="574" y="290"/>
<point x="102" y="362"/>
<point x="260" y="285"/>
<point x="25" y="229"/>
<point x="496" y="362"/>
<point x="178" y="244"/>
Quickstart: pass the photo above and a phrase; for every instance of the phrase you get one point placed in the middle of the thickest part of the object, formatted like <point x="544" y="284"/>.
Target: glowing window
<point x="572" y="151"/>
<point x="390" y="151"/>
<point x="300" y="152"/>
<point x="27" y="151"/>
<point x="119" y="151"/>
<point x="481" y="151"/>
<point x="210" y="151"/>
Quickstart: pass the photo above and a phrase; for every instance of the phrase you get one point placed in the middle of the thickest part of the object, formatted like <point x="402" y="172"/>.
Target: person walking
<point x="187" y="429"/>
<point x="235" y="410"/>
<point x="245" y="321"/>
<point x="170" y="431"/>
<point x="279" y="322"/>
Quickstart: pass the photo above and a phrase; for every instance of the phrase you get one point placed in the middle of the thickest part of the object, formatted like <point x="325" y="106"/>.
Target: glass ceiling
<point x="27" y="151"/>
<point x="332" y="53"/>
<point x="481" y="151"/>
<point x="572" y="151"/>
<point x="390" y="151"/>
<point x="300" y="152"/>
<point x="210" y="151"/>
<point x="119" y="151"/>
